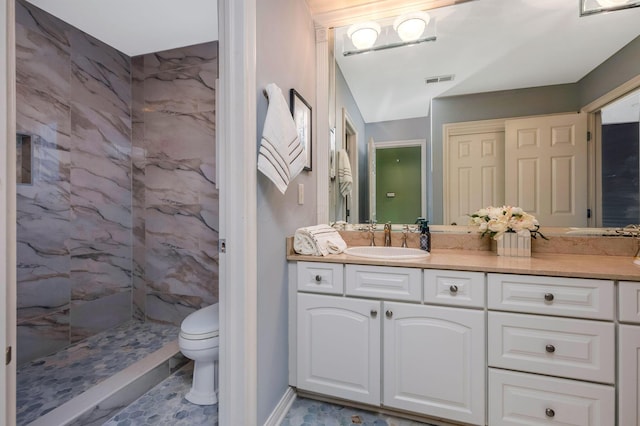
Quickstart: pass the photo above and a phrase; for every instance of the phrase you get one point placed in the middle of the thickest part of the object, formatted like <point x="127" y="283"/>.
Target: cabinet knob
<point x="549" y="412"/>
<point x="389" y="314"/>
<point x="374" y="313"/>
<point x="453" y="288"/>
<point x="548" y="297"/>
<point x="318" y="278"/>
<point x="550" y="348"/>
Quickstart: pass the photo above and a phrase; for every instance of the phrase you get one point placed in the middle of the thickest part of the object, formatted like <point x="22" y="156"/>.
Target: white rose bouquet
<point x="495" y="221"/>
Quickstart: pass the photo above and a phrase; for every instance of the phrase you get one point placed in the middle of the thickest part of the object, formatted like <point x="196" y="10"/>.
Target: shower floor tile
<point x="46" y="383"/>
<point x="165" y="405"/>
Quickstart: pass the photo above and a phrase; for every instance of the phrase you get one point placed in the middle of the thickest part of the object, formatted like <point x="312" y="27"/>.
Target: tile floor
<point x="308" y="412"/>
<point x="165" y="405"/>
<point x="48" y="382"/>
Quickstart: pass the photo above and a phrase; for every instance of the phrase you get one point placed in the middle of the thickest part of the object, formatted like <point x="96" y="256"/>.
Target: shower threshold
<point x="88" y="381"/>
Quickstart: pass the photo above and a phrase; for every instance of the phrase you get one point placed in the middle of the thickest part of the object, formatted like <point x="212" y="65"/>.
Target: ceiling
<point x="136" y="27"/>
<point x="487" y="45"/>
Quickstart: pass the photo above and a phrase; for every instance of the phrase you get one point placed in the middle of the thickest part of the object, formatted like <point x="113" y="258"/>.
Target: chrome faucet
<point x="405" y="233"/>
<point x="387" y="234"/>
<point x="372" y="232"/>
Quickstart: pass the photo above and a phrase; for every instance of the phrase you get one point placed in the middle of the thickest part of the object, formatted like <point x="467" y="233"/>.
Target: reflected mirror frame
<point x="592" y="7"/>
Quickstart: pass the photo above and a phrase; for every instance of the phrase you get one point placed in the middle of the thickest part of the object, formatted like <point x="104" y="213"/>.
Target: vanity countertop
<point x="551" y="264"/>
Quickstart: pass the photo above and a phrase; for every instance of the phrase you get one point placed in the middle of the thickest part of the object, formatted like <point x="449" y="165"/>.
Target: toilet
<point x="199" y="341"/>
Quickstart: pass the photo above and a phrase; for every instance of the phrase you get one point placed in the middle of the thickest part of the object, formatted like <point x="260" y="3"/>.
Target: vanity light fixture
<point x="363" y="35"/>
<point x="407" y="29"/>
<point x="411" y="26"/>
<point x="590" y="7"/>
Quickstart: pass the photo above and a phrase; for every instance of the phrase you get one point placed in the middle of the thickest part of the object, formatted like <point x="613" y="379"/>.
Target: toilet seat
<point x="201" y="324"/>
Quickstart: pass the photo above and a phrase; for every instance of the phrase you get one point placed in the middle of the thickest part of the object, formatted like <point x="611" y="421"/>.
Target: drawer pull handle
<point x="318" y="278"/>
<point x="453" y="289"/>
<point x="550" y="348"/>
<point x="374" y="313"/>
<point x="549" y="412"/>
<point x="389" y="314"/>
<point x="548" y="297"/>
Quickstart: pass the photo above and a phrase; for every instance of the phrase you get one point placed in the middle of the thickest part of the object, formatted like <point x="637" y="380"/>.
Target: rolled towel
<point x="318" y="240"/>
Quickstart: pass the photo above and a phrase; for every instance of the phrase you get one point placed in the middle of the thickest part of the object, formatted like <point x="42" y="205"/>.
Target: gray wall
<point x="285" y="39"/>
<point x="397" y="130"/>
<point x="620" y="68"/>
<point x="344" y="99"/>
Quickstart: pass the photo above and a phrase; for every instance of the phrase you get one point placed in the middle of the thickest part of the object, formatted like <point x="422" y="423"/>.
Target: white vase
<point x="513" y="244"/>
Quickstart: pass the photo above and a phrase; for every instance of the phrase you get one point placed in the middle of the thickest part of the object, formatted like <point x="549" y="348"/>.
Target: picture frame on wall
<point x="301" y="112"/>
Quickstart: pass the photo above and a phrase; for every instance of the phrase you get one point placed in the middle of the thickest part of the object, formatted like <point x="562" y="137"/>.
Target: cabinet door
<point x="629" y="375"/>
<point x="434" y="361"/>
<point x="338" y="344"/>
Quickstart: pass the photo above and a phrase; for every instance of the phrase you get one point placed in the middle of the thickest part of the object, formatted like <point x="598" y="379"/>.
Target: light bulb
<point x="410" y="26"/>
<point x="363" y="35"/>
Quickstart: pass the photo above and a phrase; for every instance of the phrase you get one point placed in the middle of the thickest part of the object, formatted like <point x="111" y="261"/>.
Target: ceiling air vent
<point x="438" y="79"/>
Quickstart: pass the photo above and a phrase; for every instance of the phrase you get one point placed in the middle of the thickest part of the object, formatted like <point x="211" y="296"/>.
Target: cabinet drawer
<point x="319" y="277"/>
<point x="384" y="282"/>
<point x="454" y="287"/>
<point x="565" y="347"/>
<point x="519" y="398"/>
<point x="572" y="297"/>
<point x="629" y="301"/>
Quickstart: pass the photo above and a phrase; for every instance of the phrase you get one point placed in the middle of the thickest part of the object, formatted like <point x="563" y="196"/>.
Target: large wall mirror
<point x="477" y="69"/>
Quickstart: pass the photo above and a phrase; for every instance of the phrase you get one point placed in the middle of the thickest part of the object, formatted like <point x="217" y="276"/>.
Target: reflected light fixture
<point x="411" y="26"/>
<point x="590" y="7"/>
<point x="364" y="34"/>
<point x="612" y="3"/>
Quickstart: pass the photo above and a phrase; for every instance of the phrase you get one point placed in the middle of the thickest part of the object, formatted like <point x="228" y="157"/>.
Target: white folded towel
<point x="318" y="240"/>
<point x="281" y="155"/>
<point x="345" y="179"/>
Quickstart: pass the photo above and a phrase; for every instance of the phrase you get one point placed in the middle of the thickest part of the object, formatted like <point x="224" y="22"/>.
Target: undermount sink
<point x="395" y="253"/>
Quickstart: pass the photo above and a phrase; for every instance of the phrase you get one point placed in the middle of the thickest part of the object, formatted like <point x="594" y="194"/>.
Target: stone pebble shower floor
<point x="46" y="383"/>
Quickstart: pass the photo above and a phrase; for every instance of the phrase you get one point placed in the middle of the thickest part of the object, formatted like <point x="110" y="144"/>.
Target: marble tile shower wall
<point x="74" y="220"/>
<point x="175" y="209"/>
<point x="123" y="197"/>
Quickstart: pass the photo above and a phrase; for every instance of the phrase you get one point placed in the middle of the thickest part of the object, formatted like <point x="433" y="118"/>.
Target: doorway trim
<point x="351" y="145"/>
<point x="8" y="212"/>
<point x="594" y="126"/>
<point x="238" y="224"/>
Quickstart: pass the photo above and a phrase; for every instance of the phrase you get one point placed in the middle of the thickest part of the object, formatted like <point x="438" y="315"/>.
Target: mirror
<point x="518" y="68"/>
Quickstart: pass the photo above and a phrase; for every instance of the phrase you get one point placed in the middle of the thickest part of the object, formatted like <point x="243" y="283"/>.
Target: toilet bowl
<point x="198" y="341"/>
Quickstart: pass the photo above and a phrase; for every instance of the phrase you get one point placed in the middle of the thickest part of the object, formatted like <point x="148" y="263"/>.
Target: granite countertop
<point x="550" y="264"/>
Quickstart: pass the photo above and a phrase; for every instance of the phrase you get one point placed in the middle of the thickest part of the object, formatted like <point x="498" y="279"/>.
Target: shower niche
<point x="24" y="159"/>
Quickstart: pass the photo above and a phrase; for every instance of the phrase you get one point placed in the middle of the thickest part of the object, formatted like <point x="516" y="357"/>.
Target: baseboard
<point x="280" y="411"/>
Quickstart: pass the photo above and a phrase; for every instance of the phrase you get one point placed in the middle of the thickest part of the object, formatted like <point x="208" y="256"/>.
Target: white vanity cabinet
<point x="379" y="344"/>
<point x="629" y="353"/>
<point x="551" y="369"/>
